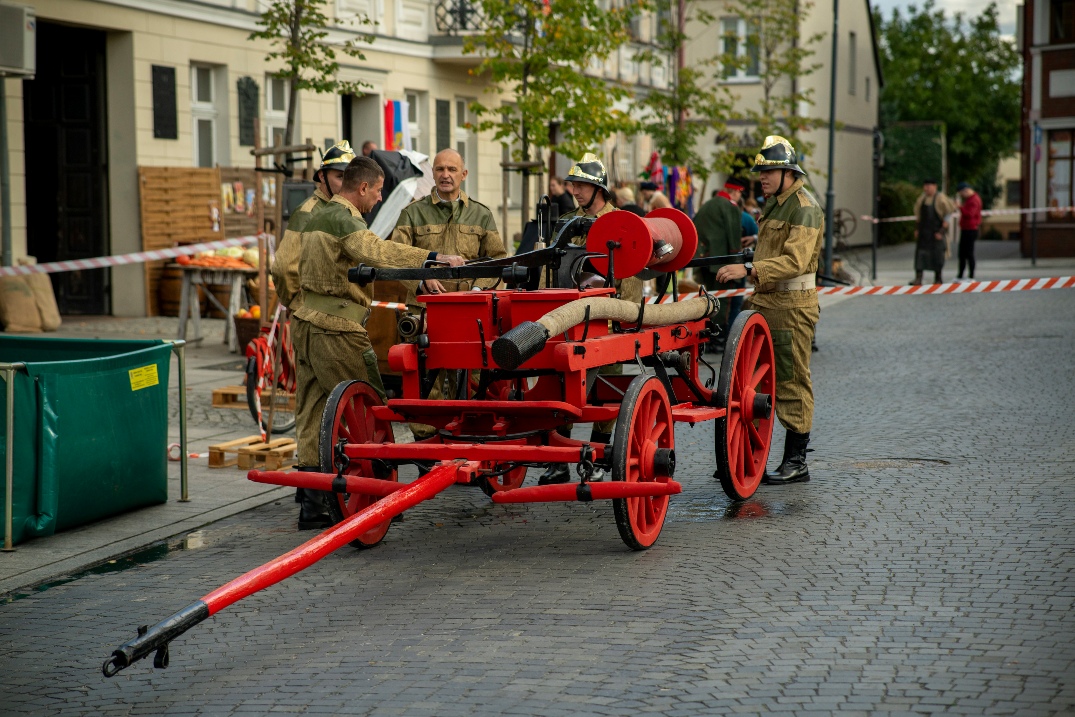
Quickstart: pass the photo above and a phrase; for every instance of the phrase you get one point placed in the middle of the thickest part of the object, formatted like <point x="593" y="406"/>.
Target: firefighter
<point x="329" y="178"/>
<point x="328" y="330"/>
<point x="783" y="272"/>
<point x="448" y="221"/>
<point x="588" y="183"/>
<point x="285" y="267"/>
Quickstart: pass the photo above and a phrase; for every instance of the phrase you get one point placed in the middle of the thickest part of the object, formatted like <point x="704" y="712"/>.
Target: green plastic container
<point x="91" y="430"/>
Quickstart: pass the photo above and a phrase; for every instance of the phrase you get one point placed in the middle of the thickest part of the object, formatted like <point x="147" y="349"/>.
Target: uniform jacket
<point x="630" y="288"/>
<point x="285" y="267"/>
<point x="465" y="228"/>
<point x="335" y="240"/>
<point x="789" y="243"/>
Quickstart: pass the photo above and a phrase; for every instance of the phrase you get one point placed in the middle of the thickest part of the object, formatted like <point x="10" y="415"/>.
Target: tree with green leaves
<point x="296" y="31"/>
<point x="957" y="71"/>
<point x="692" y="107"/>
<point x="781" y="56"/>
<point x="545" y="55"/>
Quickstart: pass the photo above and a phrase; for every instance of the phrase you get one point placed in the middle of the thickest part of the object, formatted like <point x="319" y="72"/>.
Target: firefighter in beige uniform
<point x="328" y="330"/>
<point x="285" y="267"/>
<point x="448" y="221"/>
<point x="784" y="268"/>
<point x="588" y="183"/>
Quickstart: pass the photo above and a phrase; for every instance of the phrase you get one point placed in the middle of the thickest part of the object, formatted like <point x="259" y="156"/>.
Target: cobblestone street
<point x="928" y="567"/>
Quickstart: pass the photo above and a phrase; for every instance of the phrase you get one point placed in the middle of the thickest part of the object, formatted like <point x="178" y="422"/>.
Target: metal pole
<point x="878" y="143"/>
<point x="179" y="347"/>
<point x="830" y="195"/>
<point x="1034" y="199"/>
<point x="9" y="450"/>
<point x="5" y="181"/>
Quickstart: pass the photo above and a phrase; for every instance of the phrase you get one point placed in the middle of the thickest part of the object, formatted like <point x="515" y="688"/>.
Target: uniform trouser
<point x="445" y="387"/>
<point x="326" y="358"/>
<point x="793" y="332"/>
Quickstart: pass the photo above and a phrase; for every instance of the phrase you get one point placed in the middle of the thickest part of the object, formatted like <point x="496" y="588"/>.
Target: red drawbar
<point x="323" y="481"/>
<point x="598" y="491"/>
<point x="335" y="537"/>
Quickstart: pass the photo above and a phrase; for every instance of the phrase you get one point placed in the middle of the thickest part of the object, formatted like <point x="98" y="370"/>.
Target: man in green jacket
<point x="328" y="330"/>
<point x="719" y="232"/>
<point x="448" y="221"/>
<point x="783" y="271"/>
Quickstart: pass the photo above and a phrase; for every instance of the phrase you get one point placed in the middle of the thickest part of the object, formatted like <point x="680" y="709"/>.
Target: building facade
<point x="1047" y="40"/>
<point x="858" y="84"/>
<point x="122" y="84"/>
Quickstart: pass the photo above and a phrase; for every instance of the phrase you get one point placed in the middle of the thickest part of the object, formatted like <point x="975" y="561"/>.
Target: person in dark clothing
<point x="560" y="196"/>
<point x="720" y="232"/>
<point x="931" y="210"/>
<point x="970" y="221"/>
<point x="624" y="198"/>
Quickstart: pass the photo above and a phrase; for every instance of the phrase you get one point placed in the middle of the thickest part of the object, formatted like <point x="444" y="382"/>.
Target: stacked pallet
<point x="177" y="207"/>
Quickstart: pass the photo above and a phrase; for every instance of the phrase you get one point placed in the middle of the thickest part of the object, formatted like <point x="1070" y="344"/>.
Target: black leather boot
<point x="793" y="468"/>
<point x="313" y="510"/>
<point x="555" y="473"/>
<point x="596" y="436"/>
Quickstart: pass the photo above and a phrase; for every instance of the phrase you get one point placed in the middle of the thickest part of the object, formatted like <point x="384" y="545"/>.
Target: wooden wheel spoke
<point x="759" y="375"/>
<point x="756" y="441"/>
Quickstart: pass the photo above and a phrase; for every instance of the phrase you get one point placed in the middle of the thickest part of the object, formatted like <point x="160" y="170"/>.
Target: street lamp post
<point x="830" y="195"/>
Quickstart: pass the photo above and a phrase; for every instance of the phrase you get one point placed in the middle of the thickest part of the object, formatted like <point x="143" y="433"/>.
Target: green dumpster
<point x="90" y="430"/>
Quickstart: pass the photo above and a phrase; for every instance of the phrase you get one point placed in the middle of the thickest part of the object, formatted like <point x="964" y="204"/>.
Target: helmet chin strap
<point x="593" y="196"/>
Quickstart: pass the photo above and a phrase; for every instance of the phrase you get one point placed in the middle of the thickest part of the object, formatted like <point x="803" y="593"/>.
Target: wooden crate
<point x="235" y="397"/>
<point x="230" y="397"/>
<point x="226" y="454"/>
<point x="269" y="456"/>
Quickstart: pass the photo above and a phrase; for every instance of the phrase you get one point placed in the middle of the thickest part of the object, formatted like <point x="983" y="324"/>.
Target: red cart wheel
<point x="642" y="441"/>
<point x="509" y="481"/>
<point x="347" y="415"/>
<point x="747" y="388"/>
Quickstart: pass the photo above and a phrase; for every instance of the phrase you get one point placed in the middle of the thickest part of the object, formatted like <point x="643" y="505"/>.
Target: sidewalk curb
<point x="97" y="555"/>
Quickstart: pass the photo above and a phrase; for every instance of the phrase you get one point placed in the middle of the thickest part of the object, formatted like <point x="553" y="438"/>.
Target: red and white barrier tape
<point x="388" y="305"/>
<point x="986" y="213"/>
<point x="970" y="287"/>
<point x="102" y="262"/>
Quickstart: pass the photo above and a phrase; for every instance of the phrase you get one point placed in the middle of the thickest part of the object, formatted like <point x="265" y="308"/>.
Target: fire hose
<point x="521" y="343"/>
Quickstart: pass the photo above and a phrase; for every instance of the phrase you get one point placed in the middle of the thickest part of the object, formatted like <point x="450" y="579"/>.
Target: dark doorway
<point x="66" y="162"/>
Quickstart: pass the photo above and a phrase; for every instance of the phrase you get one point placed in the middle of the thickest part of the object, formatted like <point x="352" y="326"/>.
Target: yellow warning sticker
<point x="143" y="377"/>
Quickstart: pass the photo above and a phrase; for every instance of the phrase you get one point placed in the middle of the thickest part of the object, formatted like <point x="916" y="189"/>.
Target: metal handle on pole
<point x="9" y="461"/>
<point x="179" y="348"/>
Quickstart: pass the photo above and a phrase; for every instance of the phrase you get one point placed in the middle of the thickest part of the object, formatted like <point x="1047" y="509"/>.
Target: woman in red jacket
<point x="970" y="219"/>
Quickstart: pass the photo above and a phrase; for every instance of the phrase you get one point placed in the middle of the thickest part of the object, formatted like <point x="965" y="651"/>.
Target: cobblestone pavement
<point x="927" y="568"/>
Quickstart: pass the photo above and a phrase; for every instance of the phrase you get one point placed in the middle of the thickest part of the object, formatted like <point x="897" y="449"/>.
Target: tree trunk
<point x="293" y="91"/>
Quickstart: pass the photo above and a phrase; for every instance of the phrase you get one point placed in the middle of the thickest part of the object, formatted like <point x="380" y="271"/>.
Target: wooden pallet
<point x="230" y="397"/>
<point x="235" y="397"/>
<point x="270" y="456"/>
<point x="226" y="454"/>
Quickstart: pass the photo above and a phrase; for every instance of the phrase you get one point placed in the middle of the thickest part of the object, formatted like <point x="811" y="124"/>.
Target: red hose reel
<point x="664" y="240"/>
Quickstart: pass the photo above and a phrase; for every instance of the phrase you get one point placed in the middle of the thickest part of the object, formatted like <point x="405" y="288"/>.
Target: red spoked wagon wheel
<point x="347" y="415"/>
<point x="642" y="447"/>
<point x="496" y="483"/>
<point x="747" y="388"/>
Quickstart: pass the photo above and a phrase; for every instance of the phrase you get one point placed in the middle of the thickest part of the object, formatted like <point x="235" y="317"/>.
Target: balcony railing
<point x="457" y="17"/>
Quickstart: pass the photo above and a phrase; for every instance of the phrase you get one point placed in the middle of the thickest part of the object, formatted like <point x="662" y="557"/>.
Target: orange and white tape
<point x="395" y="305"/>
<point x="140" y="257"/>
<point x="986" y="213"/>
<point x="969" y="287"/>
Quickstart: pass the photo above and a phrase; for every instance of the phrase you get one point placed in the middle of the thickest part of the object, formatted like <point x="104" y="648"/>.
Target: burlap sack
<point x="18" y="308"/>
<point x="41" y="285"/>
